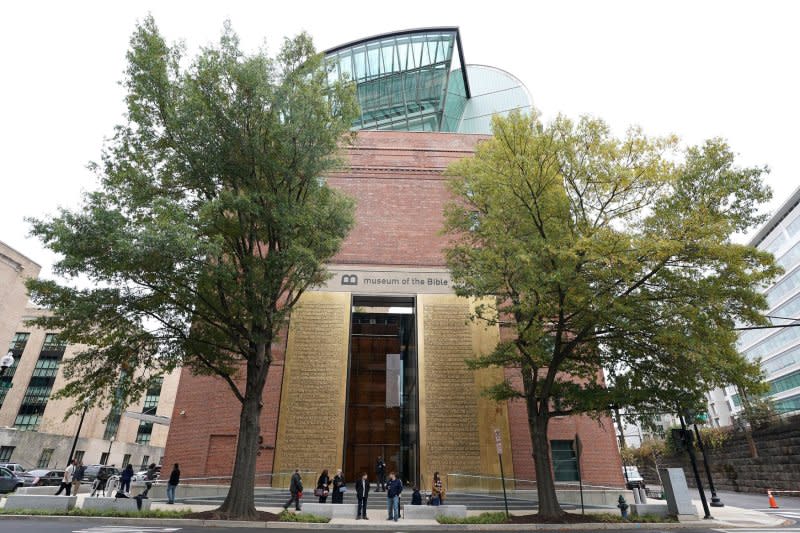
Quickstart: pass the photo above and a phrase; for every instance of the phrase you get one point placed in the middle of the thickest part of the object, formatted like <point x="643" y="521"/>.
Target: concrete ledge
<point x="330" y="510"/>
<point x="50" y="490"/>
<point x="607" y="497"/>
<point x="656" y="509"/>
<point x="126" y="505"/>
<point x="419" y="512"/>
<point x="36" y="501"/>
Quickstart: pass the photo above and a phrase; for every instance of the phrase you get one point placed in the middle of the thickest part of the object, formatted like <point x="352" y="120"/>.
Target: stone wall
<point x="733" y="468"/>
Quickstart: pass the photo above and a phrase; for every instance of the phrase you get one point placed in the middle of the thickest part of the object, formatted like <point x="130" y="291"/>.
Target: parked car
<point x="141" y="475"/>
<point x="9" y="482"/>
<point x="19" y="471"/>
<point x="90" y="474"/>
<point x="632" y="477"/>
<point x="45" y="478"/>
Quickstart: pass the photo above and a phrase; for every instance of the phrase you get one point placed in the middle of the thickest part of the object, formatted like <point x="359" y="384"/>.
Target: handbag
<point x="320" y="492"/>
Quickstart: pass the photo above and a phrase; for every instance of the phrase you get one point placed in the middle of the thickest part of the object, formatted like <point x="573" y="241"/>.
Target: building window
<point x="104" y="458"/>
<point x="149" y="408"/>
<point x="41" y="384"/>
<point x="565" y="463"/>
<point x="44" y="458"/>
<point x="145" y="462"/>
<point x="16" y="347"/>
<point x="126" y="459"/>
<point x="79" y="455"/>
<point x="5" y="453"/>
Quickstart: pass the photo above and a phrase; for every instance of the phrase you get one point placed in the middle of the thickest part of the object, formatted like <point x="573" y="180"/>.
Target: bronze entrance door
<point x="382" y="399"/>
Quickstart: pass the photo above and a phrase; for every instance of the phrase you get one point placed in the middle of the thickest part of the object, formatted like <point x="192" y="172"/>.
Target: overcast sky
<point x="696" y="69"/>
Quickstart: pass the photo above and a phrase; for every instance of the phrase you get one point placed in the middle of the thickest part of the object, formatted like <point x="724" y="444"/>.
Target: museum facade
<point x="372" y="363"/>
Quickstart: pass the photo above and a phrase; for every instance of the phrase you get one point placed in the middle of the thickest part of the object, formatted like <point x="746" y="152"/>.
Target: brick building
<point x="372" y="363"/>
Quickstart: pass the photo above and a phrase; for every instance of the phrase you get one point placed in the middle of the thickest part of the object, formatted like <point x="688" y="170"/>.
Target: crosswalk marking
<point x="127" y="529"/>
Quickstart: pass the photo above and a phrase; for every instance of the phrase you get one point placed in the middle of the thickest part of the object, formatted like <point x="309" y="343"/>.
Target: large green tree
<point x="211" y="219"/>
<point x="601" y="252"/>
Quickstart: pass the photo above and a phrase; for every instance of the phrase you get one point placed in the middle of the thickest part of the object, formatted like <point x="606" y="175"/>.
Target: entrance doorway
<point x="382" y="389"/>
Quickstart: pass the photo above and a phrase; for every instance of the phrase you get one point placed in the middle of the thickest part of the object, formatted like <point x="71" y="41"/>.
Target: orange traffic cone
<point x="772" y="503"/>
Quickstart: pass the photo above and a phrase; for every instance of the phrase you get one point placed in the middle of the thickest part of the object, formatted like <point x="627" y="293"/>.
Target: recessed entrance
<point x="382" y="388"/>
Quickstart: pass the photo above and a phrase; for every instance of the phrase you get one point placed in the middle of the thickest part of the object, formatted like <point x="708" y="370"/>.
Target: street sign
<point x="498" y="440"/>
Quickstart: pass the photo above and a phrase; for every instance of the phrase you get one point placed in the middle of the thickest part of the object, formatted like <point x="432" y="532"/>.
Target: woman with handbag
<point x="437" y="490"/>
<point x="323" y="486"/>
<point x="338" y="488"/>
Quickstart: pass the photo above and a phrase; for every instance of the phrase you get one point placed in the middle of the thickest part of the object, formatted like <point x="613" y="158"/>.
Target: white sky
<point x="696" y="69"/>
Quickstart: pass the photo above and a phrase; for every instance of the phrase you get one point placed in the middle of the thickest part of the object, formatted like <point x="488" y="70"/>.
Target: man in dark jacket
<point x="393" y="490"/>
<point x="380" y="471"/>
<point x="362" y="492"/>
<point x="174" y="479"/>
<point x="295" y="491"/>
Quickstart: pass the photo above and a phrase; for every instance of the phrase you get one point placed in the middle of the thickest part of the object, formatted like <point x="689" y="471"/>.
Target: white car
<point x="139" y="476"/>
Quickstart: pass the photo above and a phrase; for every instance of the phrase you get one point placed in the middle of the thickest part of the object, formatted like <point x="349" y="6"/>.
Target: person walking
<point x="323" y="486"/>
<point x="380" y="471"/>
<point x="338" y="488"/>
<point x="77" y="477"/>
<point x="66" y="480"/>
<point x="362" y="492"/>
<point x="125" y="479"/>
<point x="393" y="490"/>
<point x="174" y="479"/>
<point x="295" y="491"/>
<point x="437" y="490"/>
<point x="100" y="481"/>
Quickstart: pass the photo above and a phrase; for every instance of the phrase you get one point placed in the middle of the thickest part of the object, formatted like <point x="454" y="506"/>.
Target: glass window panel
<point x="359" y="64"/>
<point x="402" y="54"/>
<point x="794" y="228"/>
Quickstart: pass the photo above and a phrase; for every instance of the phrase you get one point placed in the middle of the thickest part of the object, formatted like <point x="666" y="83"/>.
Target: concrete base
<point x="421" y="512"/>
<point x="656" y="509"/>
<point x="35" y="501"/>
<point x="126" y="505"/>
<point x="330" y="510"/>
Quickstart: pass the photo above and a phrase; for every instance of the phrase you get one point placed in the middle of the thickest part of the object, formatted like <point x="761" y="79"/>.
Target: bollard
<point x="636" y="497"/>
<point x="642" y="495"/>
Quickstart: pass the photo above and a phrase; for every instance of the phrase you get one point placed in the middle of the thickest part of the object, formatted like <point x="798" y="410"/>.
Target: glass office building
<point x="417" y="80"/>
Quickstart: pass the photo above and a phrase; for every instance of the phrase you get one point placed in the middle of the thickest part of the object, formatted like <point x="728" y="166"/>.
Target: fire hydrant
<point x="623" y="506"/>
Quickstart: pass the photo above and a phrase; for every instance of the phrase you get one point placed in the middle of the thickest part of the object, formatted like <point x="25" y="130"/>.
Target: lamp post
<point x="715" y="501"/>
<point x="6" y="362"/>
<point x="77" y="433"/>
<point x="108" y="453"/>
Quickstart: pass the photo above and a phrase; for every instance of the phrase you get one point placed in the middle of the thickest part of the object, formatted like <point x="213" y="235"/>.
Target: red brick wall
<point x="600" y="461"/>
<point x="396" y="179"/>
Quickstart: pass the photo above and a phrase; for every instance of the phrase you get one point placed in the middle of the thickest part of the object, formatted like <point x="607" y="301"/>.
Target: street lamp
<point x="6" y="362"/>
<point x="108" y="453"/>
<point x="77" y="433"/>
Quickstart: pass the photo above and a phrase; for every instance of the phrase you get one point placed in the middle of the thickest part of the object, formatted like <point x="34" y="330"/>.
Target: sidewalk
<point x="723" y="517"/>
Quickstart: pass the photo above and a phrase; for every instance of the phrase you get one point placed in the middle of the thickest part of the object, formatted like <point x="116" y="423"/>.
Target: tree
<point x="600" y="252"/>
<point x="210" y="222"/>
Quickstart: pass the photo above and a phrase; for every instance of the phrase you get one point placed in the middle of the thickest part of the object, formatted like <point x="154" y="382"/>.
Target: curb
<point x="187" y="522"/>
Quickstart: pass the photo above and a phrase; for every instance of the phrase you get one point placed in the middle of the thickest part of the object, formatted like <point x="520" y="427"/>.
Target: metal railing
<point x="462" y="482"/>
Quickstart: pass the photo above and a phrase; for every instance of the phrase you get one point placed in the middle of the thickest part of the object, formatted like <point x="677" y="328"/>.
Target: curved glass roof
<point x="416" y="80"/>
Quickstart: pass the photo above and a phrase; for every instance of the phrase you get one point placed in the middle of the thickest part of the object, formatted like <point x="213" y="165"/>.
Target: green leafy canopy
<point x="211" y="218"/>
<point x="601" y="252"/>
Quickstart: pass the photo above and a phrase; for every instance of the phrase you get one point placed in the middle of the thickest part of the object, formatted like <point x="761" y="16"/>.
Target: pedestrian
<point x="437" y="490"/>
<point x="338" y="488"/>
<point x="295" y="491"/>
<point x="100" y="481"/>
<point x="174" y="479"/>
<point x="393" y="489"/>
<point x="125" y="479"/>
<point x="362" y="493"/>
<point x="380" y="471"/>
<point x="416" y="497"/>
<point x="77" y="477"/>
<point x="66" y="480"/>
<point x="323" y="486"/>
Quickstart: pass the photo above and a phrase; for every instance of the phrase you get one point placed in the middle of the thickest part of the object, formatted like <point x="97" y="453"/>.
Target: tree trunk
<point x="239" y="504"/>
<point x="549" y="507"/>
